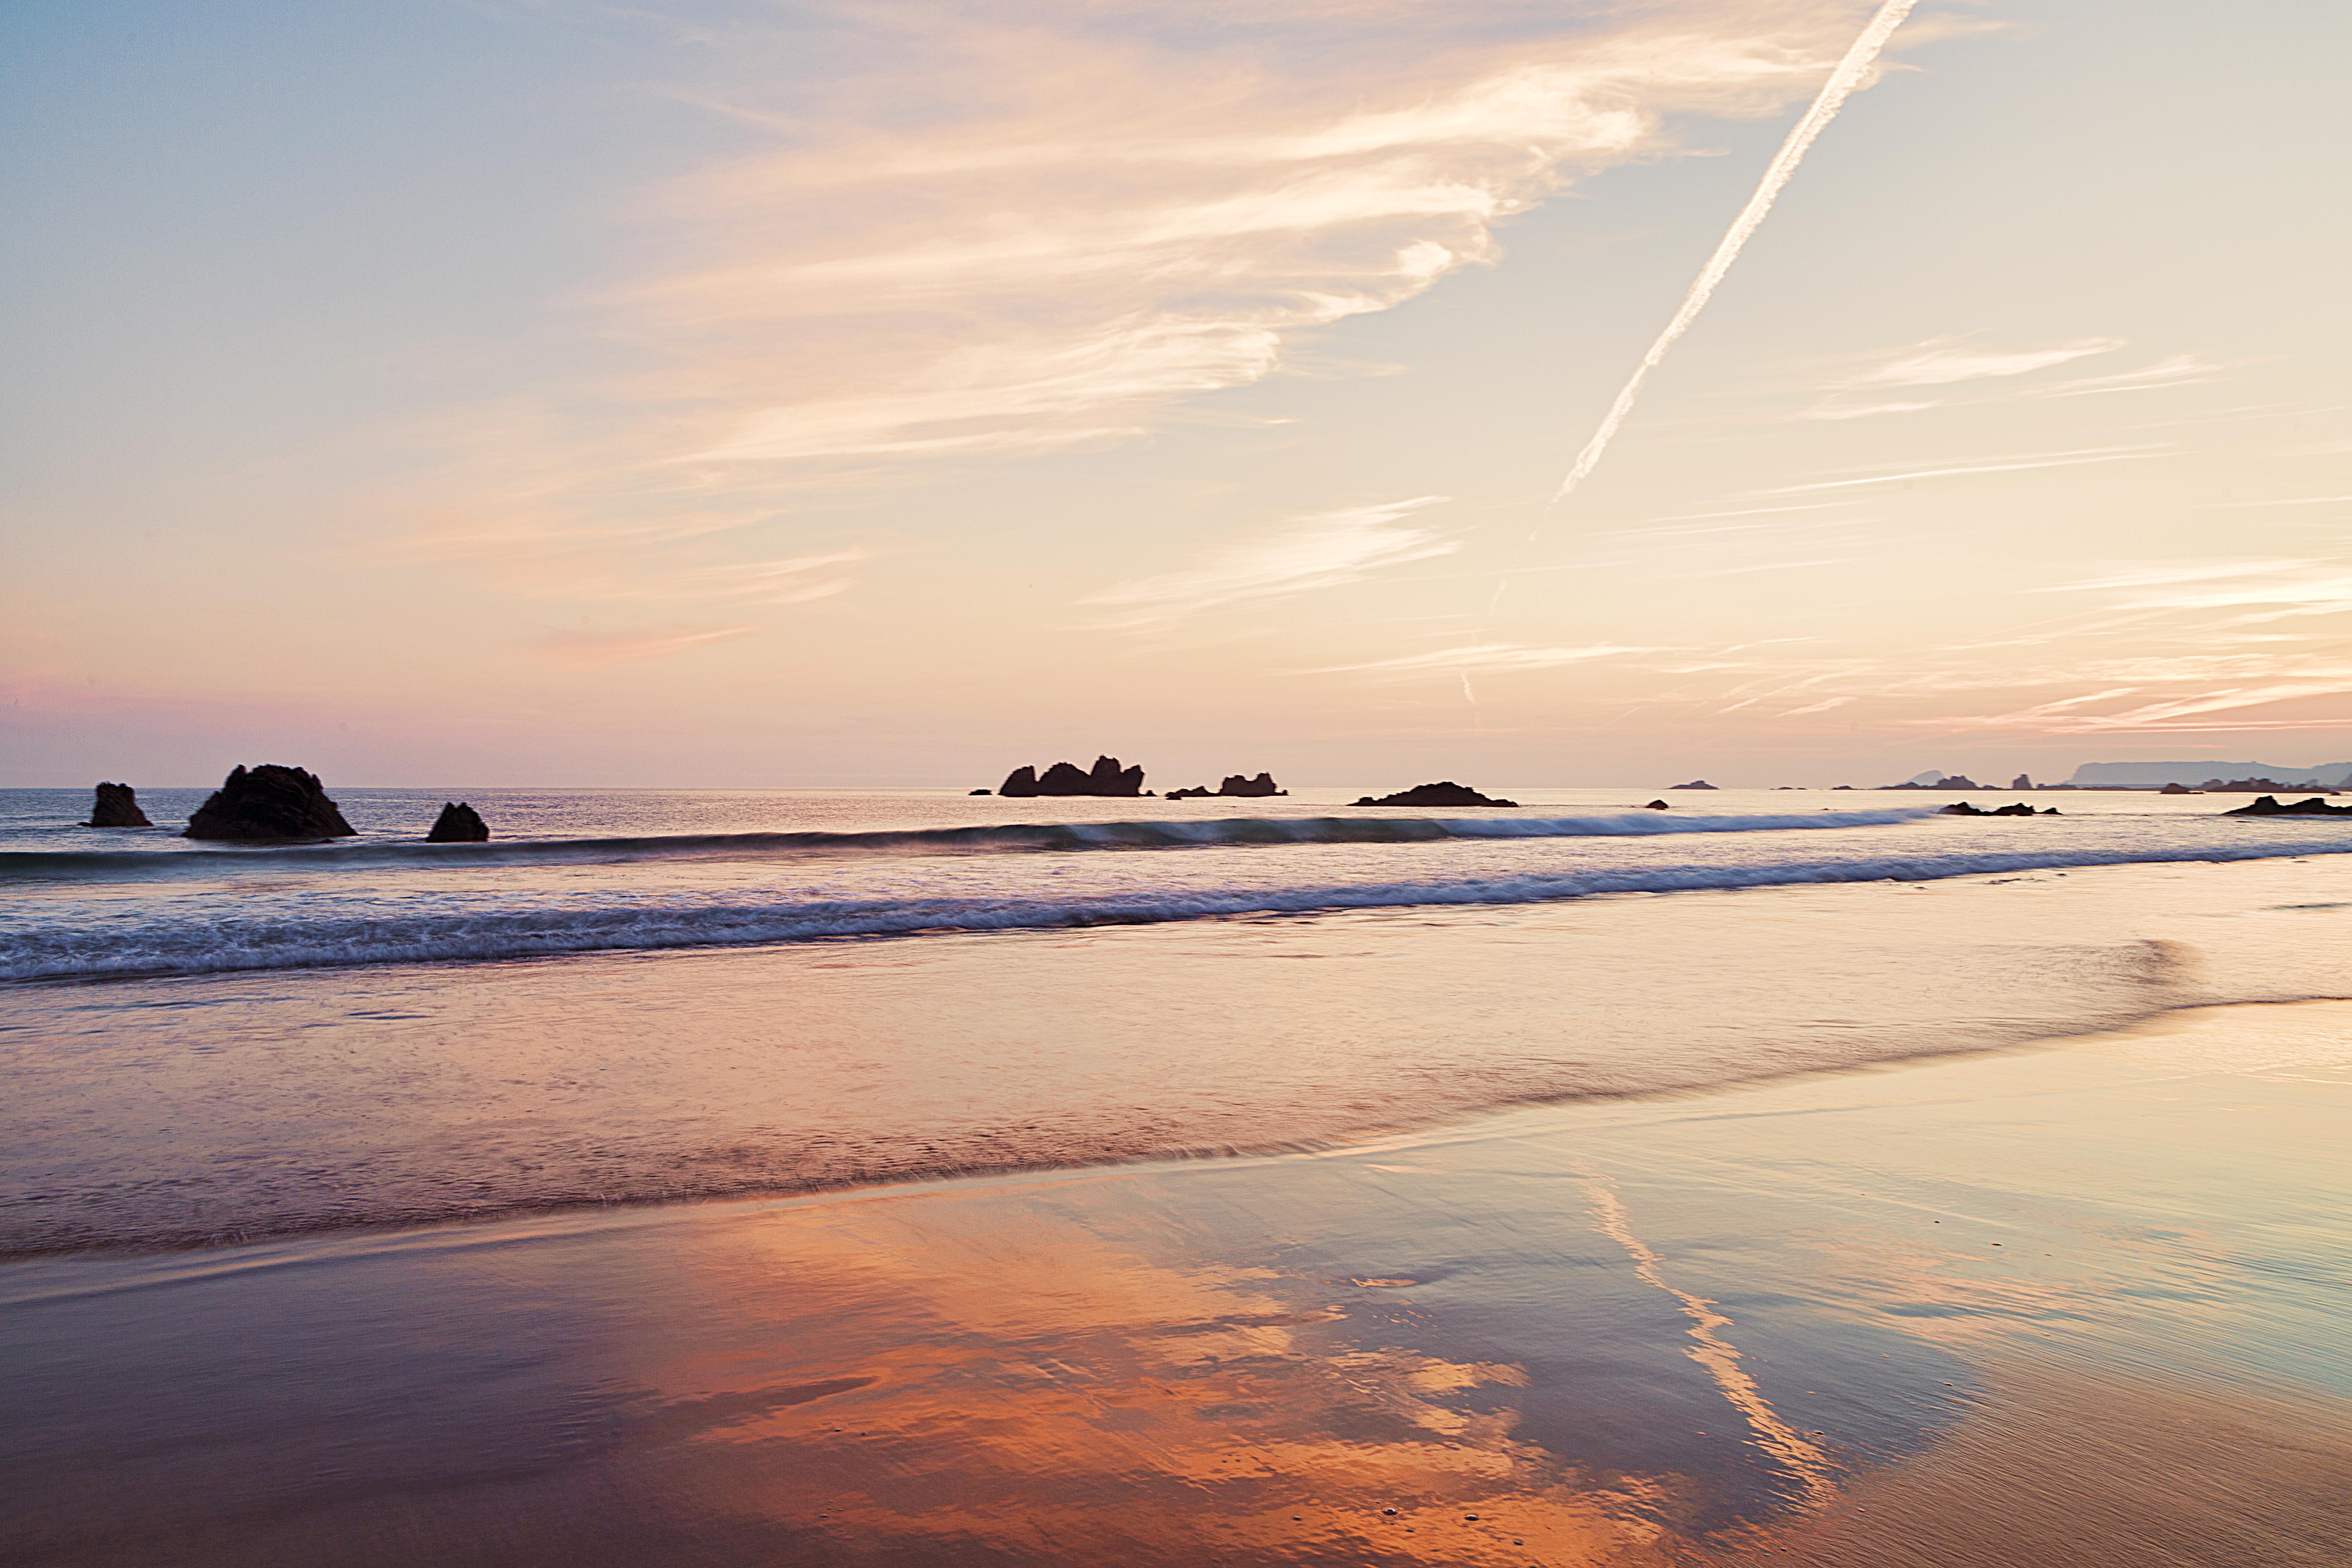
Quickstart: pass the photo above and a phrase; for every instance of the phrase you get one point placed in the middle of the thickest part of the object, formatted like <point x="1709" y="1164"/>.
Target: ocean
<point x="631" y="996"/>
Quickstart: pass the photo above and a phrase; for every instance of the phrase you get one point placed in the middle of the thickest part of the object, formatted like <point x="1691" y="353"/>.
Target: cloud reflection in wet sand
<point x="1064" y="1398"/>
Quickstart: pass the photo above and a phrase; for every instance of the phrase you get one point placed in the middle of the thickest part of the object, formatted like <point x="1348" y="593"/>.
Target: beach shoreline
<point x="1250" y="1360"/>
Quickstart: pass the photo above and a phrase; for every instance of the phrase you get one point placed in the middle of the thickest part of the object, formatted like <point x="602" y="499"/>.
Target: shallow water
<point x="1132" y="1003"/>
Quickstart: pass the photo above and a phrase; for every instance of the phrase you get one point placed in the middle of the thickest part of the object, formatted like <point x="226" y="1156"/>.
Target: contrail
<point x="1834" y="92"/>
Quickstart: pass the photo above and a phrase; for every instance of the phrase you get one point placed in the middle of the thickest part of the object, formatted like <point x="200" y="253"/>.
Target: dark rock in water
<point x="983" y="792"/>
<point x="2268" y="806"/>
<point x="459" y="824"/>
<point x="1657" y="805"/>
<point x="1445" y="792"/>
<point x="1105" y="778"/>
<point x="268" y="804"/>
<point x="1258" y="788"/>
<point x="1962" y="808"/>
<point x="117" y="805"/>
<point x="2022" y="781"/>
<point x="1695" y="783"/>
<point x="2178" y="788"/>
<point x="1235" y="787"/>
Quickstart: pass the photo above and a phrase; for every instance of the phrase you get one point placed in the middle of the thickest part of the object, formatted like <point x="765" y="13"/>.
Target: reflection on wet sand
<point x="1073" y="1400"/>
<point x="2074" y="1307"/>
<point x="2060" y="1466"/>
<point x="1806" y="1463"/>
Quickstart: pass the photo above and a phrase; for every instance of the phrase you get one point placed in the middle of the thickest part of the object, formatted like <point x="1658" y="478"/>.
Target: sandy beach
<point x="2074" y="1304"/>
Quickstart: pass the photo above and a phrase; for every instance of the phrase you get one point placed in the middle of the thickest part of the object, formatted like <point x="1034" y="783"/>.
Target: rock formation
<point x="2268" y="806"/>
<point x="1695" y="783"/>
<point x="1235" y="787"/>
<point x="1106" y="778"/>
<point x="1657" y="805"/>
<point x="1962" y="808"/>
<point x="1948" y="781"/>
<point x="2179" y="789"/>
<point x="117" y="805"/>
<point x="269" y="805"/>
<point x="1445" y="792"/>
<point x="2022" y="781"/>
<point x="459" y="824"/>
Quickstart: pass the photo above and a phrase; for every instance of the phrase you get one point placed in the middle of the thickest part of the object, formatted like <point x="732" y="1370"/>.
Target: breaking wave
<point x="111" y="865"/>
<point x="130" y="947"/>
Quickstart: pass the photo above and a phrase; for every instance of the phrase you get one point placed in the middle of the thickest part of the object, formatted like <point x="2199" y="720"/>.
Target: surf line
<point x="1848" y="76"/>
<point x="1715" y="1353"/>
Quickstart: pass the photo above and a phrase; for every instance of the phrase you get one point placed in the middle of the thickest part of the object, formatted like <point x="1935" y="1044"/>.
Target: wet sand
<point x="2082" y="1304"/>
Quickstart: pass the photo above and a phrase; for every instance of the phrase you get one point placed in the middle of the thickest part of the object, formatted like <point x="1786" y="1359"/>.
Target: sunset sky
<point x="510" y="391"/>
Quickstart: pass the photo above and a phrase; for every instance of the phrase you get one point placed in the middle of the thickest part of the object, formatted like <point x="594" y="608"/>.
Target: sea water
<point x="629" y="997"/>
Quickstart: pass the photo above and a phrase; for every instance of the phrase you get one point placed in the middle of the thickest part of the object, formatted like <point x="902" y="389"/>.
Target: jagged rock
<point x="1962" y="808"/>
<point x="2022" y="781"/>
<point x="117" y="805"/>
<point x="1445" y="792"/>
<point x="2268" y="806"/>
<point x="1105" y="778"/>
<point x="1258" y="788"/>
<point x="1695" y="783"/>
<point x="1657" y="805"/>
<point x="269" y="804"/>
<point x="459" y="824"/>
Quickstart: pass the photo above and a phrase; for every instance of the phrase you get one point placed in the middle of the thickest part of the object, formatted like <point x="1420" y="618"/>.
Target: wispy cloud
<point x="1939" y="362"/>
<point x="2181" y="370"/>
<point x="1990" y="466"/>
<point x="592" y="650"/>
<point x="1296" y="557"/>
<point x="1953" y="363"/>
<point x="1100" y="216"/>
<point x="1483" y="657"/>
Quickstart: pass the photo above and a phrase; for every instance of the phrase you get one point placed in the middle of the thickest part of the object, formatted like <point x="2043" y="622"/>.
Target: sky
<point x="490" y="392"/>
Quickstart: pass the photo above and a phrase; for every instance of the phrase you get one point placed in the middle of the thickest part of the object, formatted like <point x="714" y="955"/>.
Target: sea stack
<point x="117" y="805"/>
<point x="1257" y="788"/>
<point x="459" y="824"/>
<point x="269" y="805"/>
<point x="1105" y="778"/>
<point x="1445" y="792"/>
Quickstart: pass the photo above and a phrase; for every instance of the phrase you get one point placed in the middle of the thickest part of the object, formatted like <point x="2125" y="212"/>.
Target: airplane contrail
<point x="1834" y="92"/>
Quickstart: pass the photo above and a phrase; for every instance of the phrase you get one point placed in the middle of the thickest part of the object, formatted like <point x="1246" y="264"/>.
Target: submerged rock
<point x="1962" y="808"/>
<point x="1198" y="792"/>
<point x="1445" y="792"/>
<point x="1657" y="805"/>
<point x="983" y="792"/>
<point x="1105" y="778"/>
<point x="269" y="805"/>
<point x="2268" y="806"/>
<point x="117" y="805"/>
<point x="459" y="824"/>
